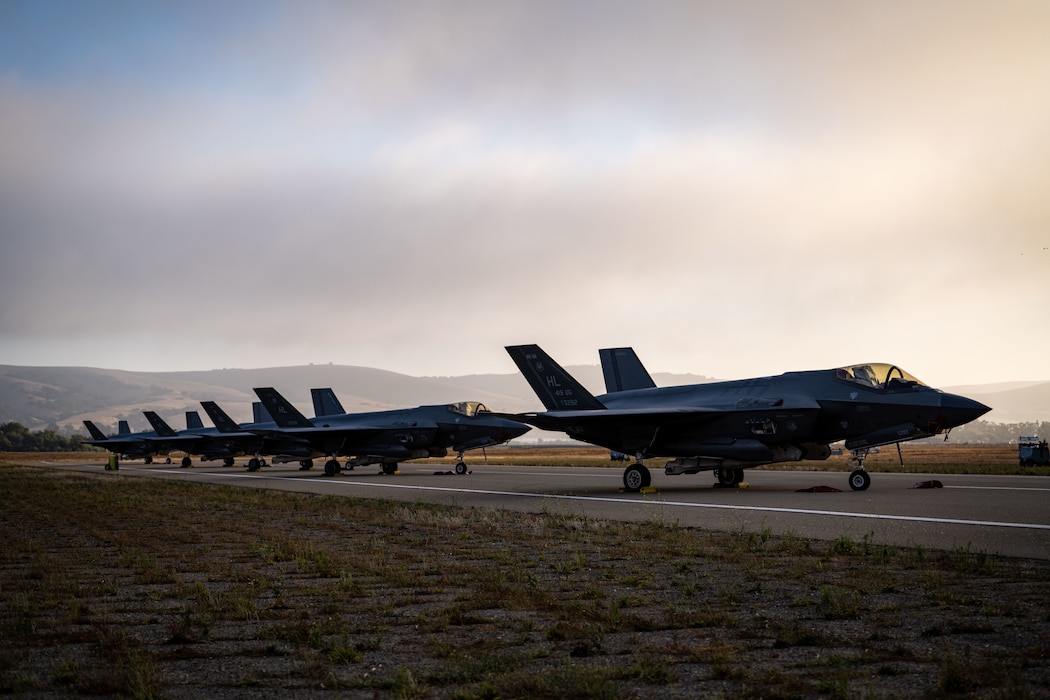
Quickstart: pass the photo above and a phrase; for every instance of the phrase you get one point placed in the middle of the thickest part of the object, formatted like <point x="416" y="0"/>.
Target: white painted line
<point x="999" y="488"/>
<point x="641" y="500"/>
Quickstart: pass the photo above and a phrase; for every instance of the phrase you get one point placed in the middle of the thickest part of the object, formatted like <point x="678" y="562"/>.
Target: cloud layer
<point x="733" y="188"/>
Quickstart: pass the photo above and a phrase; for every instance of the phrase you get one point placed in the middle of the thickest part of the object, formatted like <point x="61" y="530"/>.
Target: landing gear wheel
<point x="729" y="477"/>
<point x="147" y="460"/>
<point x="461" y="468"/>
<point x="859" y="480"/>
<point x="389" y="468"/>
<point x="331" y="468"/>
<point x="349" y="466"/>
<point x="228" y="462"/>
<point x="187" y="462"/>
<point x="306" y="464"/>
<point x="253" y="464"/>
<point x="636" y="477"/>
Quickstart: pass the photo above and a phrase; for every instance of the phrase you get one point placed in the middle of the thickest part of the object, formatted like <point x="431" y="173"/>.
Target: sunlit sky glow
<point x="734" y="188"/>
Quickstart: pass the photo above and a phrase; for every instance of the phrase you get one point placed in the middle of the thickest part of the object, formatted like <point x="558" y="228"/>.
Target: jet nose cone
<point x="959" y="410"/>
<point x="515" y="429"/>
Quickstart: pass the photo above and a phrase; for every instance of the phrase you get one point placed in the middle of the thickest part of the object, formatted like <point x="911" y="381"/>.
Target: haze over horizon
<point x="735" y="189"/>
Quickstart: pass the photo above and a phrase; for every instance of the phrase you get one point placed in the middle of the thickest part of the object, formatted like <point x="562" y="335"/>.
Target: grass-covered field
<point x="116" y="585"/>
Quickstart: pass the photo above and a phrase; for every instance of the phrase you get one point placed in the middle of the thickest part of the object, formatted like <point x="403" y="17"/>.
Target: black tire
<point x="331" y="468"/>
<point x="253" y="465"/>
<point x="461" y="468"/>
<point x="636" y="477"/>
<point x="187" y="462"/>
<point x="859" y="480"/>
<point x="729" y="477"/>
<point x="389" y="468"/>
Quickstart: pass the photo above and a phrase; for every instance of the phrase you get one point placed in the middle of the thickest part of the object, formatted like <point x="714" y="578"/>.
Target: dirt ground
<point x="123" y="586"/>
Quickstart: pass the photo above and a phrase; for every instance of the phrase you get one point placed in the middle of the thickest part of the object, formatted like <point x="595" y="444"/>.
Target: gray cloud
<point x="738" y="189"/>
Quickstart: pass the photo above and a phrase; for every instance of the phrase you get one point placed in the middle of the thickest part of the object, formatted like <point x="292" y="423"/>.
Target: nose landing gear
<point x="859" y="479"/>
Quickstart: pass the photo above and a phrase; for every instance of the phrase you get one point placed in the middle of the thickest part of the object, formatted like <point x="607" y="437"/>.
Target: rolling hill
<point x="64" y="396"/>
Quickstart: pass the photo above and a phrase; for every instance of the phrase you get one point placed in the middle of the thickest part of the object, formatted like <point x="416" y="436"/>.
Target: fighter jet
<point x="123" y="444"/>
<point x="262" y="436"/>
<point x="727" y="426"/>
<point x="259" y="438"/>
<point x="145" y="445"/>
<point x="388" y="437"/>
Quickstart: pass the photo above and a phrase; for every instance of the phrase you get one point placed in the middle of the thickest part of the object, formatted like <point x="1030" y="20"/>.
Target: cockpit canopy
<point x="467" y="408"/>
<point x="879" y="376"/>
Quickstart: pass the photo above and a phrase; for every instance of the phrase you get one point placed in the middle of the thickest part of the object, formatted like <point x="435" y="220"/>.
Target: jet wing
<point x="659" y="415"/>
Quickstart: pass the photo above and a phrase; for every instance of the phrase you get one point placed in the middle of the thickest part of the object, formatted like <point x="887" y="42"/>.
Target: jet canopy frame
<point x="880" y="375"/>
<point x="468" y="408"/>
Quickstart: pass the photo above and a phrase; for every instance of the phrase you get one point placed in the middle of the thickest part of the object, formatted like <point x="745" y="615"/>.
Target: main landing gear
<point x="729" y="478"/>
<point x="636" y="477"/>
<point x="859" y="479"/>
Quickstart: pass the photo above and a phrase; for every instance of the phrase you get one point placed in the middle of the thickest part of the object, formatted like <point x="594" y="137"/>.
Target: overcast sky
<point x="734" y="188"/>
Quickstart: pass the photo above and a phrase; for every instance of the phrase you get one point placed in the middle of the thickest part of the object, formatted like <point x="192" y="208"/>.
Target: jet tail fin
<point x="162" y="429"/>
<point x="93" y="430"/>
<point x="556" y="388"/>
<point x="223" y="422"/>
<point x="193" y="421"/>
<point x="260" y="414"/>
<point x="326" y="403"/>
<point x="123" y="428"/>
<point x="281" y="410"/>
<point x="623" y="370"/>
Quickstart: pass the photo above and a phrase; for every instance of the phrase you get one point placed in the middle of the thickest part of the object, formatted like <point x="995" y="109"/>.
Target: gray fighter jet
<point x="388" y="437"/>
<point x="727" y="426"/>
<point x="162" y="440"/>
<point x="124" y="443"/>
<point x="262" y="436"/>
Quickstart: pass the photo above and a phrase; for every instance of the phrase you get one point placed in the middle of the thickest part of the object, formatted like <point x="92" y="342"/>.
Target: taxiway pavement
<point x="1007" y="515"/>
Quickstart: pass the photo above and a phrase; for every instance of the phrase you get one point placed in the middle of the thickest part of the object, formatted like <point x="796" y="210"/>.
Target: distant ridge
<point x="64" y="396"/>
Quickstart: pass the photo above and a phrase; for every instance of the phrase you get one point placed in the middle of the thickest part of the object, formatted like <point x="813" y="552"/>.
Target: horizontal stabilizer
<point x="623" y="370"/>
<point x="281" y="410"/>
<point x="556" y="388"/>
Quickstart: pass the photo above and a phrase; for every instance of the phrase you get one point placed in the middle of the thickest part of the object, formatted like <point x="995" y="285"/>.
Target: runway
<point x="1007" y="515"/>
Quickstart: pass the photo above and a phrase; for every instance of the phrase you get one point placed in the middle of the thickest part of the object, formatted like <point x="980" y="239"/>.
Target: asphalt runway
<point x="1007" y="515"/>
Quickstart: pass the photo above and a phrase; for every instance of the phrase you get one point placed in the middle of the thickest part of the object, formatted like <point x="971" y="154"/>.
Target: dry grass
<point x="119" y="585"/>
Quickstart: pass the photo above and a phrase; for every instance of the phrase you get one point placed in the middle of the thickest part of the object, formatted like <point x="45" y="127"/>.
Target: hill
<point x="64" y="396"/>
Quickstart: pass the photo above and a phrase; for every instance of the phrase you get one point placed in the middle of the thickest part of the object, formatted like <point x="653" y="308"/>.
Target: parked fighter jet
<point x="262" y="436"/>
<point x="726" y="426"/>
<point x="145" y="445"/>
<point x="387" y="437"/>
<point x="124" y="443"/>
<point x="258" y="438"/>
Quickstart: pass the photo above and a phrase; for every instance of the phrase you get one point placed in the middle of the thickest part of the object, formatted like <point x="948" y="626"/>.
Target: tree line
<point x="15" y="437"/>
